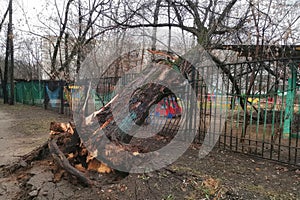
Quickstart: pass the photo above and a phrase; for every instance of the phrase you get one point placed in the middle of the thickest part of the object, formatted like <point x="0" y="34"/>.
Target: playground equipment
<point x="168" y="107"/>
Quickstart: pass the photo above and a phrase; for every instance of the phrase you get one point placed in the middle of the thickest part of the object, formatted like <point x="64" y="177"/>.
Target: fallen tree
<point x="108" y="136"/>
<point x="112" y="128"/>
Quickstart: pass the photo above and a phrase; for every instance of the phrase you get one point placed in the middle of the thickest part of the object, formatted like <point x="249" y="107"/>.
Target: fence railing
<point x="263" y="109"/>
<point x="260" y="102"/>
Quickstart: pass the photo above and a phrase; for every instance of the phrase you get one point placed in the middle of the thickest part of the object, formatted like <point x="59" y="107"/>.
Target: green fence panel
<point x="19" y="92"/>
<point x="29" y="92"/>
<point x="38" y="93"/>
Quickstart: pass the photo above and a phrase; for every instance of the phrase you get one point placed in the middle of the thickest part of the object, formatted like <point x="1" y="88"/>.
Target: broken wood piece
<point x="87" y="98"/>
<point x="106" y="123"/>
<point x="89" y="119"/>
<point x="98" y="166"/>
<point x="63" y="162"/>
<point x="80" y="168"/>
<point x="91" y="155"/>
<point x="58" y="127"/>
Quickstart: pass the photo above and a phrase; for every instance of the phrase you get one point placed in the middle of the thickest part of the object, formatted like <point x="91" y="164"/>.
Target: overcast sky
<point x="26" y="12"/>
<point x="32" y="7"/>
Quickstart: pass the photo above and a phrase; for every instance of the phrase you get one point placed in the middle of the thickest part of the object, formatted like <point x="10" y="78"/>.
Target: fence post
<point x="32" y="92"/>
<point x="46" y="97"/>
<point x="289" y="109"/>
<point x="61" y="84"/>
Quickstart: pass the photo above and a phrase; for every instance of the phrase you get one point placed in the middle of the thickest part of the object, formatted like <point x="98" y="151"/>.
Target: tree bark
<point x="5" y="76"/>
<point x="11" y="55"/>
<point x="63" y="27"/>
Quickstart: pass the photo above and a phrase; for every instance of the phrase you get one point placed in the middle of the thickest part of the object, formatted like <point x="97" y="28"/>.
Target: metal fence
<point x="262" y="109"/>
<point x="260" y="102"/>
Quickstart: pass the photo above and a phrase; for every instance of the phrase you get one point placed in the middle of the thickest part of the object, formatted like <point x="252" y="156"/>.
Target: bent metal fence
<point x="262" y="109"/>
<point x="259" y="99"/>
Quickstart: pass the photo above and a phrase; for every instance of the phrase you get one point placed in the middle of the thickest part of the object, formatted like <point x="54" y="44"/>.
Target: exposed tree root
<point x="63" y="162"/>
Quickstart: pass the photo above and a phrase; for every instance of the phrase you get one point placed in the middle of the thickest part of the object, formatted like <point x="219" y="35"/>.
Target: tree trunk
<point x="11" y="54"/>
<point x="155" y="22"/>
<point x="140" y="103"/>
<point x="79" y="56"/>
<point x="5" y="77"/>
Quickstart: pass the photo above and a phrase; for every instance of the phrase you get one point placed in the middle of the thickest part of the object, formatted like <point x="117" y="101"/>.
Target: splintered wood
<point x="71" y="155"/>
<point x="104" y="138"/>
<point x="57" y="128"/>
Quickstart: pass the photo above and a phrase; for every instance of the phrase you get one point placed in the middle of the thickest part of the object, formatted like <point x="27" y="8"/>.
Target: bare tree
<point x="9" y="61"/>
<point x="28" y="61"/>
<point x="6" y="68"/>
<point x="11" y="55"/>
<point x="3" y="18"/>
<point x="75" y="35"/>
<point x="215" y="23"/>
<point x="4" y="75"/>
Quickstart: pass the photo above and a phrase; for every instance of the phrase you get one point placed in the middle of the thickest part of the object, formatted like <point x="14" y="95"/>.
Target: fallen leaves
<point x="212" y="185"/>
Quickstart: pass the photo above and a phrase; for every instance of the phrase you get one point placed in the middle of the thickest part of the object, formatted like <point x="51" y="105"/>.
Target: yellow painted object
<point x="68" y="95"/>
<point x="255" y="100"/>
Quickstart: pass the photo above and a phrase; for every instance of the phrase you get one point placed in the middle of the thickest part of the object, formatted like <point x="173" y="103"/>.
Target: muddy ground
<point x="220" y="175"/>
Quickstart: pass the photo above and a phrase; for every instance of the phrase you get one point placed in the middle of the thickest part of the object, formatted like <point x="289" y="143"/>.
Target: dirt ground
<point x="220" y="175"/>
<point x="23" y="128"/>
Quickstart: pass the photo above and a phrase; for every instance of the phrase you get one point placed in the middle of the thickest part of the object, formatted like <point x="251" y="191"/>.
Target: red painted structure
<point x="168" y="107"/>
